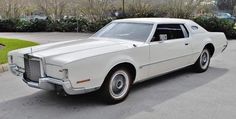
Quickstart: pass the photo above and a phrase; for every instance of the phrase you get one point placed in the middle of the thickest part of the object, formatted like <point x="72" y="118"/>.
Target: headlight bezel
<point x="65" y="73"/>
<point x="57" y="72"/>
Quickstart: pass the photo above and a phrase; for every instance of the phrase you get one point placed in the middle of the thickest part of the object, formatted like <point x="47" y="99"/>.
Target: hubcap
<point x="204" y="59"/>
<point x="119" y="84"/>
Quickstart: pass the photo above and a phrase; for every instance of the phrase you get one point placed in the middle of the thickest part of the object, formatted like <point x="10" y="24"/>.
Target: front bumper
<point x="48" y="83"/>
<point x="51" y="84"/>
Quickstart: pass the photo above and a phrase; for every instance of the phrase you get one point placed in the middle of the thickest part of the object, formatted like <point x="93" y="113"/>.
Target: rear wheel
<point x="203" y="62"/>
<point x="116" y="86"/>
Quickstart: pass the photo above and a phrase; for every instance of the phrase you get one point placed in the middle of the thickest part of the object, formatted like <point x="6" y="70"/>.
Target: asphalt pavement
<point x="178" y="95"/>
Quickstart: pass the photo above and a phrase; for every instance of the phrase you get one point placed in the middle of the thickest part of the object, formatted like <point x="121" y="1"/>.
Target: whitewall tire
<point x="117" y="85"/>
<point x="203" y="62"/>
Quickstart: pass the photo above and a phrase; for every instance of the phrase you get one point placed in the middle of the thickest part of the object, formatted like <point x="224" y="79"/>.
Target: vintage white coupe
<point x="122" y="53"/>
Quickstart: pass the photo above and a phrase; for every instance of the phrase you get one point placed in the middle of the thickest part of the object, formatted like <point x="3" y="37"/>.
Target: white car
<point x="122" y="53"/>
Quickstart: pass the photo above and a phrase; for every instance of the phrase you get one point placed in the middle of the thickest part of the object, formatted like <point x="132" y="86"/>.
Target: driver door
<point x="169" y="49"/>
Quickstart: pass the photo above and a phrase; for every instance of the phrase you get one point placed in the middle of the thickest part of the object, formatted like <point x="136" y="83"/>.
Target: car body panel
<point x="82" y="66"/>
<point x="161" y="53"/>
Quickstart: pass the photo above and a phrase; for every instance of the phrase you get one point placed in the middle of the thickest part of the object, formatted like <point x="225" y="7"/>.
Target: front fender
<point x="95" y="69"/>
<point x="119" y="60"/>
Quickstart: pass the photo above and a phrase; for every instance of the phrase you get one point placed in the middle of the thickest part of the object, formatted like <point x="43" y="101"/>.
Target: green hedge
<point x="214" y="24"/>
<point x="66" y="25"/>
<point x="7" y="25"/>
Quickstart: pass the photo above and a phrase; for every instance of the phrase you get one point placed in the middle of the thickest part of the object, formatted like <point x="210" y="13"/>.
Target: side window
<point x="169" y="32"/>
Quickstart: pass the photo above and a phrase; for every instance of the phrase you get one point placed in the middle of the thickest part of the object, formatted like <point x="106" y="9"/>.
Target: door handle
<point x="186" y="44"/>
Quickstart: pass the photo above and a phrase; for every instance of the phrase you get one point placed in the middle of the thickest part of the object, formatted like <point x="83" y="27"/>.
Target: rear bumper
<point x="51" y="84"/>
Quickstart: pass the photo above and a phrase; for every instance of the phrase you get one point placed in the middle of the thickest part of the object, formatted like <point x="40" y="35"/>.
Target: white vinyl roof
<point x="154" y="20"/>
<point x="189" y="23"/>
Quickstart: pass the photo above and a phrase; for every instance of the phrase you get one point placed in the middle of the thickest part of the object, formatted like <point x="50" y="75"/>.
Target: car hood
<point x="69" y="51"/>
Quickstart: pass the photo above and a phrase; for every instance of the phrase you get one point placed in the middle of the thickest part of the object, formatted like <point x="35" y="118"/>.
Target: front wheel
<point x="116" y="86"/>
<point x="203" y="62"/>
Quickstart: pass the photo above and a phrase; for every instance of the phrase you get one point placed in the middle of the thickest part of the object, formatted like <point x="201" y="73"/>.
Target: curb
<point x="3" y="68"/>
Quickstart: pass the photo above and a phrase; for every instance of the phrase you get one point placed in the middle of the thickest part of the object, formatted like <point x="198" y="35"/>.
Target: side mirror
<point x="163" y="37"/>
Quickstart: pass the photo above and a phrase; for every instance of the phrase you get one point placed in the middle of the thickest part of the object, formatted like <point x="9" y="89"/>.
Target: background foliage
<point x="214" y="24"/>
<point x="91" y="15"/>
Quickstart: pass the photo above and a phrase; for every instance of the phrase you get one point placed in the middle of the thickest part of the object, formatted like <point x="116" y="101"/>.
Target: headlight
<point x="56" y="72"/>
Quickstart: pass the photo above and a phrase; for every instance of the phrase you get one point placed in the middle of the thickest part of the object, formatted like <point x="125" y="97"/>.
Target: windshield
<point x="126" y="31"/>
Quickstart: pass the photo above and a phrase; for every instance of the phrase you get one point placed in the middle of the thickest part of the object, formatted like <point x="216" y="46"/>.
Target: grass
<point x="12" y="44"/>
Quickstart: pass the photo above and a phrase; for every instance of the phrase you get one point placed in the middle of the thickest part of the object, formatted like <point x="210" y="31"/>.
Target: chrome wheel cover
<point x="204" y="59"/>
<point x="119" y="84"/>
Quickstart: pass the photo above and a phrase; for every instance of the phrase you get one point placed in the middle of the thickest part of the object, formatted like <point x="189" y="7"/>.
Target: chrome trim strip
<point x="16" y="70"/>
<point x="53" y="64"/>
<point x="142" y="66"/>
<point x="225" y="46"/>
<point x="159" y="75"/>
<point x="40" y="60"/>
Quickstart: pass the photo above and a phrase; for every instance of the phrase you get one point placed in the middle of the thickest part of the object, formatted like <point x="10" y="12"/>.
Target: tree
<point x="95" y="9"/>
<point x="226" y="5"/>
<point x="207" y="7"/>
<point x="181" y="8"/>
<point x="139" y="8"/>
<point x="53" y="8"/>
<point x="12" y="8"/>
<point x="234" y="12"/>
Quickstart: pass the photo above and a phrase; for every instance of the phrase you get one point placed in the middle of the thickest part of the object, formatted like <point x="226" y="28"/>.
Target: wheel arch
<point x="211" y="48"/>
<point x="130" y="66"/>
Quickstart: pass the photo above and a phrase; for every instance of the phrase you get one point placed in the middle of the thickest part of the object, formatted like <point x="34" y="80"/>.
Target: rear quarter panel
<point x="200" y="40"/>
<point x="219" y="41"/>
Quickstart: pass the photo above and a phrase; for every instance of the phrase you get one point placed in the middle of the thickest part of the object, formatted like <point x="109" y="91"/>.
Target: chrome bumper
<point x="51" y="84"/>
<point x="16" y="70"/>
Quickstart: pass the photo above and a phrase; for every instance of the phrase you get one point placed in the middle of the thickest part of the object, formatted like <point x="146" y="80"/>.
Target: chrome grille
<point x="32" y="69"/>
